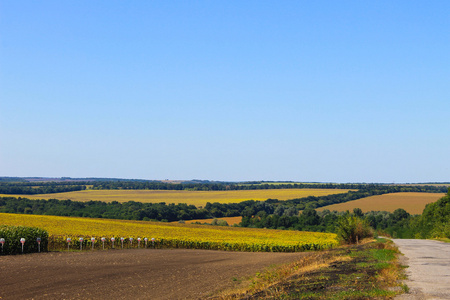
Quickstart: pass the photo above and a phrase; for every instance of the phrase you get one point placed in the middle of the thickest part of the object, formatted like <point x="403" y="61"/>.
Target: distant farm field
<point x="197" y="198"/>
<point x="414" y="203"/>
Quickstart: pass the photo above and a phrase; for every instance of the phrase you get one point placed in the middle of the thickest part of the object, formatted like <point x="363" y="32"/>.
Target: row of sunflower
<point x="86" y="233"/>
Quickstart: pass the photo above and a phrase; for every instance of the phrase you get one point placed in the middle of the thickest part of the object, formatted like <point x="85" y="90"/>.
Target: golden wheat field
<point x="197" y="198"/>
<point x="173" y="235"/>
<point x="414" y="203"/>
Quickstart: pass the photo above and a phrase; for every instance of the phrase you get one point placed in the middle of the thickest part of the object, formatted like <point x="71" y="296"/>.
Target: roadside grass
<point x="445" y="240"/>
<point x="369" y="270"/>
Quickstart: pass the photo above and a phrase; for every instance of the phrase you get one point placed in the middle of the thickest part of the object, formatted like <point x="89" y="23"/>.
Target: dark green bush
<point x="352" y="229"/>
<point x="13" y="234"/>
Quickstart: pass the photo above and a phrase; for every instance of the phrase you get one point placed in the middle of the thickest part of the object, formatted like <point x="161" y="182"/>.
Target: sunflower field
<point x="85" y="233"/>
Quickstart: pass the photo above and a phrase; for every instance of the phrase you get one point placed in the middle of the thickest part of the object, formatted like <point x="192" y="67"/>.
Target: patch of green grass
<point x="362" y="265"/>
<point x="358" y="294"/>
<point x="382" y="254"/>
<point x="323" y="277"/>
<point x="445" y="240"/>
<point x="307" y="295"/>
<point x="381" y="265"/>
<point x="381" y="240"/>
<point x="235" y="279"/>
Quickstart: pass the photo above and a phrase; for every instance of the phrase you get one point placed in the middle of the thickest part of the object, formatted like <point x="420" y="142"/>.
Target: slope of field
<point x="197" y="198"/>
<point x="414" y="203"/>
<point x="173" y="235"/>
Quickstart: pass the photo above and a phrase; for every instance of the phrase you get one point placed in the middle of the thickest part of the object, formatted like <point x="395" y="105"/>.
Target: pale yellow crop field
<point x="173" y="235"/>
<point x="414" y="203"/>
<point x="197" y="198"/>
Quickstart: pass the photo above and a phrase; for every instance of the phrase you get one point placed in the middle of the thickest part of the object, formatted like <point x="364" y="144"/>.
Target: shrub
<point x="219" y="222"/>
<point x="13" y="234"/>
<point x="352" y="229"/>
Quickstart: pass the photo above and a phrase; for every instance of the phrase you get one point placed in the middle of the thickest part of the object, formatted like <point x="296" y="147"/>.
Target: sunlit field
<point x="197" y="198"/>
<point x="173" y="235"/>
<point x="414" y="203"/>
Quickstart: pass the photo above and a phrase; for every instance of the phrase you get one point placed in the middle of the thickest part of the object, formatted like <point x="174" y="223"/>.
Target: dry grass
<point x="414" y="203"/>
<point x="197" y="198"/>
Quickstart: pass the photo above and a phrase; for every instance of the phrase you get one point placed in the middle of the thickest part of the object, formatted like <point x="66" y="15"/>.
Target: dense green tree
<point x="310" y="217"/>
<point x="358" y="212"/>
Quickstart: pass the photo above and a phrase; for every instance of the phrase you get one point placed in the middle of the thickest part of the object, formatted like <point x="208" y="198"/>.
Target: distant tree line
<point x="12" y="179"/>
<point x="33" y="188"/>
<point x="222" y="186"/>
<point x="324" y="221"/>
<point x="130" y="210"/>
<point x="214" y="186"/>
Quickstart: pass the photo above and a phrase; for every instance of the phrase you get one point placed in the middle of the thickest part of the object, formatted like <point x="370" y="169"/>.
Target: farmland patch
<point x="414" y="203"/>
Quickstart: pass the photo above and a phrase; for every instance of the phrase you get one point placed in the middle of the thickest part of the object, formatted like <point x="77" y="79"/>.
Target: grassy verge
<point x="445" y="240"/>
<point x="366" y="271"/>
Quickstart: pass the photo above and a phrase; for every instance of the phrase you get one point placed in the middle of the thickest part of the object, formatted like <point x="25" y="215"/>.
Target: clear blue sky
<point x="341" y="91"/>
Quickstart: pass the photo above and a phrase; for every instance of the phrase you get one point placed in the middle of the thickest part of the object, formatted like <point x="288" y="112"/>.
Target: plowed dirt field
<point x="130" y="274"/>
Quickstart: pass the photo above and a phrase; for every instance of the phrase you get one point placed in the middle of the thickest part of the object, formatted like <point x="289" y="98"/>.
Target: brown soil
<point x="129" y="274"/>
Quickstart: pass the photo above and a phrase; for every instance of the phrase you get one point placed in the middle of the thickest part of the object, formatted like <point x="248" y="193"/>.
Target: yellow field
<point x="197" y="198"/>
<point x="174" y="235"/>
<point x="414" y="203"/>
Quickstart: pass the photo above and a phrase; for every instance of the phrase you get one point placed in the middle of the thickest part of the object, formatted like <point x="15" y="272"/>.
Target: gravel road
<point x="429" y="268"/>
